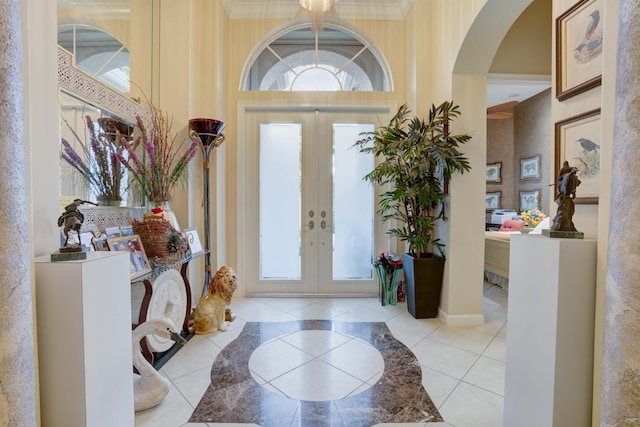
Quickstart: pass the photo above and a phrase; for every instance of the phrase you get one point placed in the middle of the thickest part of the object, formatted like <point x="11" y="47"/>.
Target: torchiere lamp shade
<point x="207" y="129"/>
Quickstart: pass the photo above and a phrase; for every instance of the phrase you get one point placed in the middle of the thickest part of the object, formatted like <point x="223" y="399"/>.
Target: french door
<point x="309" y="222"/>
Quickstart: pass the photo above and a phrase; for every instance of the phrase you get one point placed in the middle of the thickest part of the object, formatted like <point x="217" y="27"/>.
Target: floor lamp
<point x="209" y="131"/>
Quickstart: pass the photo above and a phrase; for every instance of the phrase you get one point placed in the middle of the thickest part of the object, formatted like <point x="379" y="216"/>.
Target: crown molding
<point x="345" y="9"/>
<point x="261" y="9"/>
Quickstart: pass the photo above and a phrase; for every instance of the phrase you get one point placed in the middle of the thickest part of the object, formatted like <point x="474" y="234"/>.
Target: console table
<point x="167" y="306"/>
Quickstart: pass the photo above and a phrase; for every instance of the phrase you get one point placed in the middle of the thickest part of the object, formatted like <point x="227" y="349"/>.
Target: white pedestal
<point x="84" y="341"/>
<point x="549" y="369"/>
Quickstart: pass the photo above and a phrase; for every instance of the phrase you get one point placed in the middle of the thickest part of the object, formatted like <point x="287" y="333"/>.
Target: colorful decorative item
<point x="390" y="275"/>
<point x="531" y="217"/>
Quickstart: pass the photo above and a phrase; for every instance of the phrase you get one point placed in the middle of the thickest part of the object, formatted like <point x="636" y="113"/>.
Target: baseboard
<point x="304" y="295"/>
<point x="460" y="319"/>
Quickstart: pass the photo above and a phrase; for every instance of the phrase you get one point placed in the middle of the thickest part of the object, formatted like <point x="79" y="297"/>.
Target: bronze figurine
<point x="566" y="184"/>
<point x="72" y="220"/>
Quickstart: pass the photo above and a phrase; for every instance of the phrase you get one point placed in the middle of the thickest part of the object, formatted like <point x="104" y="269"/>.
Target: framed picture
<point x="139" y="263"/>
<point x="84" y="239"/>
<point x="494" y="173"/>
<point x="112" y="232"/>
<point x="530" y="168"/>
<point x="126" y="230"/>
<point x="492" y="200"/>
<point x="579" y="48"/>
<point x="577" y="141"/>
<point x="193" y="240"/>
<point x="529" y="200"/>
<point x="100" y="243"/>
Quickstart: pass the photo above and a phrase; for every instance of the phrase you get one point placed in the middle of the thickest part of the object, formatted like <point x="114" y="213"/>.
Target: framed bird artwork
<point x="530" y="168"/>
<point x="493" y="172"/>
<point x="579" y="38"/>
<point x="577" y="141"/>
<point x="492" y="200"/>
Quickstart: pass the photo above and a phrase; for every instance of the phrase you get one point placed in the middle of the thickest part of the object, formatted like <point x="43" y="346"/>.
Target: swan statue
<point x="150" y="387"/>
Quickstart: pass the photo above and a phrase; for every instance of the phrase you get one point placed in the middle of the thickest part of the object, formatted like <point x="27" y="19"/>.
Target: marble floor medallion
<point x="312" y="373"/>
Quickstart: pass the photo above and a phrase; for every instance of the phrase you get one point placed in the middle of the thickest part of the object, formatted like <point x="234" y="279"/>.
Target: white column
<point x="17" y="376"/>
<point x="619" y="392"/>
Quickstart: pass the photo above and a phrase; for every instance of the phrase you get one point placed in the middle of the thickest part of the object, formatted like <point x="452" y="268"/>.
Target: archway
<point x="462" y="297"/>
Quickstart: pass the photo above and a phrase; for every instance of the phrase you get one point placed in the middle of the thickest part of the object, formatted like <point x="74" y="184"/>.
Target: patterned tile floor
<point x="338" y="361"/>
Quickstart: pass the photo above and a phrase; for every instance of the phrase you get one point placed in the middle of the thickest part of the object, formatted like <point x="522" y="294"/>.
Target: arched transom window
<point x="300" y="59"/>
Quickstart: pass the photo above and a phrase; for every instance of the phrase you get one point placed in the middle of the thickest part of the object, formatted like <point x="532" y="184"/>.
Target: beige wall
<point x="533" y="136"/>
<point x="500" y="149"/>
<point x="528" y="133"/>
<point x="522" y="53"/>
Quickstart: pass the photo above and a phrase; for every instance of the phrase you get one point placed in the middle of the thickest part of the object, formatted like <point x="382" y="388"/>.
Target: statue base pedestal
<point x="563" y="234"/>
<point x="68" y="256"/>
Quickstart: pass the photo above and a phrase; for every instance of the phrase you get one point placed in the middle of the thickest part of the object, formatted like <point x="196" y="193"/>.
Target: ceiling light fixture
<point x="317" y="8"/>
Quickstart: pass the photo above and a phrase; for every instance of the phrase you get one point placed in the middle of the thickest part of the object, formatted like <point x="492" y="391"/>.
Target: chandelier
<point x="317" y="8"/>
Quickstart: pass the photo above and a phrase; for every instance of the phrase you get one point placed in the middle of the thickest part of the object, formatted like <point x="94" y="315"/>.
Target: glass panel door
<point x="309" y="225"/>
<point x="280" y="201"/>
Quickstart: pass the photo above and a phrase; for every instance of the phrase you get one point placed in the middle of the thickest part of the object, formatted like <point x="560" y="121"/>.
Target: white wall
<point x="41" y="122"/>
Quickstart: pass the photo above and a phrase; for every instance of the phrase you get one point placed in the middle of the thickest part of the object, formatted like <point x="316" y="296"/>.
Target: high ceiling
<point x="253" y="9"/>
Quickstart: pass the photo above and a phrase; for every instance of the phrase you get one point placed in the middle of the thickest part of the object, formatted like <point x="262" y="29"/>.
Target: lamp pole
<point x="209" y="132"/>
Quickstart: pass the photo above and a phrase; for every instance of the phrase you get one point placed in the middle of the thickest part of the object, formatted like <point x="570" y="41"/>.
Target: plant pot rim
<point x="429" y="255"/>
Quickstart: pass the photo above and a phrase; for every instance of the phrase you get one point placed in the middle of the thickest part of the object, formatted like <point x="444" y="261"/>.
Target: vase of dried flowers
<point x="162" y="162"/>
<point x="162" y="210"/>
<point x="98" y="163"/>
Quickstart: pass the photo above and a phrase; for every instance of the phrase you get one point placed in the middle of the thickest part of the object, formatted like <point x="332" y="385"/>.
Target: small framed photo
<point x="83" y="239"/>
<point x="577" y="141"/>
<point x="492" y="200"/>
<point x="529" y="200"/>
<point x="139" y="263"/>
<point x="193" y="239"/>
<point x="100" y="243"/>
<point x="494" y="172"/>
<point x="530" y="168"/>
<point x="112" y="232"/>
<point x="86" y="239"/>
<point x="579" y="57"/>
<point x="126" y="230"/>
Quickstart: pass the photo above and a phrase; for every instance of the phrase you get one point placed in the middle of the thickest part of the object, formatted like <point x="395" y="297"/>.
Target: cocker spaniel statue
<point x="209" y="314"/>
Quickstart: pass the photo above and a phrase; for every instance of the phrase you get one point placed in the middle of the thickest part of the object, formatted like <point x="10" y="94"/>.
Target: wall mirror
<point x="97" y="53"/>
<point x="81" y="95"/>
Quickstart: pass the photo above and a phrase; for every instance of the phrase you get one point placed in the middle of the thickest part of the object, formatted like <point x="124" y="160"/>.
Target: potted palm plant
<point x="417" y="160"/>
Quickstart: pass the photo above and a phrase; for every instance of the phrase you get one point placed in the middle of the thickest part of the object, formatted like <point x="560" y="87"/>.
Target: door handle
<point x="309" y="225"/>
<point x="324" y="224"/>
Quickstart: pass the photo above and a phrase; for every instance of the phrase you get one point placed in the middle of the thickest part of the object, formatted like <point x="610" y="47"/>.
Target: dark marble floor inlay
<point x="235" y="397"/>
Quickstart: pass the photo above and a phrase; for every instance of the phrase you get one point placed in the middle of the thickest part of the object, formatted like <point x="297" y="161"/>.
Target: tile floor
<point x="462" y="367"/>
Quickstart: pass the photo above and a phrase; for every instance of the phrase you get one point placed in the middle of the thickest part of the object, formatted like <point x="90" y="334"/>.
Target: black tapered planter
<point x="423" y="284"/>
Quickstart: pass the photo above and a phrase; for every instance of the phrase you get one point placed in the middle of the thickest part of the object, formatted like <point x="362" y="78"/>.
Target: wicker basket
<point x="155" y="235"/>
